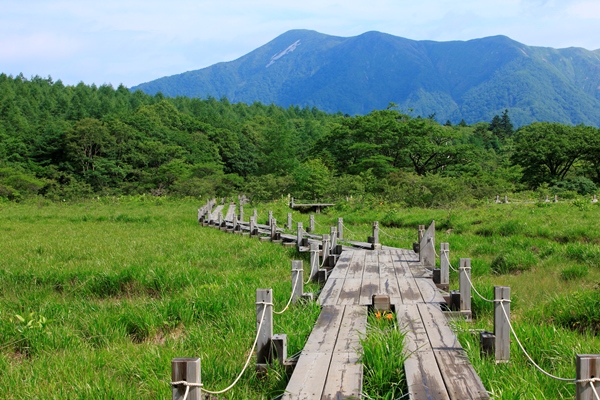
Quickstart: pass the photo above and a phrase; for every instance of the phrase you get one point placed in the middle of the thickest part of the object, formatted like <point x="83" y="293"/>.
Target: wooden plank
<point x="462" y="382"/>
<point x="350" y="292"/>
<point x="439" y="333"/>
<point x="388" y="282"/>
<point x="423" y="377"/>
<point x="356" y="265"/>
<point x="308" y="379"/>
<point x="370" y="279"/>
<point x="409" y="290"/>
<point x="331" y="292"/>
<point x="344" y="379"/>
<point x="429" y="291"/>
<point x="409" y="321"/>
<point x="230" y="212"/>
<point x="342" y="265"/>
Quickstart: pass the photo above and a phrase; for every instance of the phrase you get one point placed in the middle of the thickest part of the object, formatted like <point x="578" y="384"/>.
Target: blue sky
<point x="134" y="41"/>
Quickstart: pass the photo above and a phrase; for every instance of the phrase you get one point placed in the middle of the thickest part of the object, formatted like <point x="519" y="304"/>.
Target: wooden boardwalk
<point x="329" y="367"/>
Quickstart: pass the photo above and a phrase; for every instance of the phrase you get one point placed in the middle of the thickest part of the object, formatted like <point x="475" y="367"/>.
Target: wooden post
<point x="594" y="199"/>
<point x="427" y="247"/>
<point x="333" y="236"/>
<point x="376" y="245"/>
<point x="273" y="224"/>
<point x="289" y="221"/>
<point x="292" y="203"/>
<point x="445" y="263"/>
<point x="556" y="198"/>
<point x="255" y="213"/>
<point x="299" y="235"/>
<point x="253" y="226"/>
<point x="587" y="366"/>
<point x="501" y="324"/>
<point x="311" y="223"/>
<point x="465" y="286"/>
<point x="264" y="305"/>
<point x="314" y="259"/>
<point x="236" y="226"/>
<point x="505" y="199"/>
<point x="187" y="370"/>
<point x="241" y="212"/>
<point x="297" y="280"/>
<point x="421" y="232"/>
<point x="325" y="247"/>
<point x="270" y="218"/>
<point x="340" y="229"/>
<point x="498" y="199"/>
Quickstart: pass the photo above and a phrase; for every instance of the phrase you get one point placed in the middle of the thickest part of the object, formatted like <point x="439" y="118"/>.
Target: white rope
<point x="527" y="355"/>
<point x="388" y="235"/>
<point x="445" y="252"/>
<point x="291" y="296"/>
<point x="262" y="319"/>
<point x="321" y="266"/>
<point x="479" y="294"/>
<point x="594" y="389"/>
<point x="187" y="387"/>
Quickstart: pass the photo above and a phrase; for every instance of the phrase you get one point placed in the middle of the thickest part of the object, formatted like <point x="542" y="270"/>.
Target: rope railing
<point x="479" y="294"/>
<point x="262" y="319"/>
<point x="320" y="266"/>
<point x="291" y="296"/>
<point x="446" y="252"/>
<point x="390" y="236"/>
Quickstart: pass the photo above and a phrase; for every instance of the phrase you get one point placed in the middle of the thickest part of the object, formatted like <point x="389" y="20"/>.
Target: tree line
<point x="69" y="142"/>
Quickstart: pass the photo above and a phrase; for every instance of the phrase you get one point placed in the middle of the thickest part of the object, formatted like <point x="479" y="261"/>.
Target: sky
<point x="134" y="41"/>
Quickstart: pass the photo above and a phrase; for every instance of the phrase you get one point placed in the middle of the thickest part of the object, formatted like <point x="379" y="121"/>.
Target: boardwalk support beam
<point x="185" y="370"/>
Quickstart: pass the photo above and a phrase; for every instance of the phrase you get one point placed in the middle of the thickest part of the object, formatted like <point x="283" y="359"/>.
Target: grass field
<point x="96" y="298"/>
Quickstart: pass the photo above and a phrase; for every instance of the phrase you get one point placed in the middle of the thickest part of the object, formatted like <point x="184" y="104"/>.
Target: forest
<point x="71" y="142"/>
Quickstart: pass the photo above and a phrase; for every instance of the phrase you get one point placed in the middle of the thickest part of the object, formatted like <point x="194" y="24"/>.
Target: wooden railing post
<point x="255" y="214"/>
<point x="270" y="218"/>
<point x="501" y="323"/>
<point x="253" y="229"/>
<point x="289" y="221"/>
<point x="297" y="280"/>
<point x="340" y="229"/>
<point x="311" y="223"/>
<point x="326" y="246"/>
<point x="445" y="263"/>
<point x="421" y="232"/>
<point x="185" y="370"/>
<point x="333" y="236"/>
<point x="314" y="259"/>
<point x="587" y="367"/>
<point x="376" y="245"/>
<point x="241" y="215"/>
<point x="299" y="235"/>
<point x="465" y="286"/>
<point x="264" y="313"/>
<point x="273" y="225"/>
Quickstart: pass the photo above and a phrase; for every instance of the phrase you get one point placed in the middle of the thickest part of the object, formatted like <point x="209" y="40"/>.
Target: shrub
<point x="512" y="262"/>
<point x="573" y="272"/>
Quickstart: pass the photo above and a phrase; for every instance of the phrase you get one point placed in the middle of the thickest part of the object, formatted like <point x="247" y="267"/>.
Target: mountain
<point x="471" y="80"/>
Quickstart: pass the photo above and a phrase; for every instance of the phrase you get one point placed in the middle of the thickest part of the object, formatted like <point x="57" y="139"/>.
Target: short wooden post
<point x="311" y="223"/>
<point x="421" y="232"/>
<point x="376" y="245"/>
<point x="314" y="259"/>
<point x="498" y="199"/>
<point x="333" y="236"/>
<point x="445" y="263"/>
<point x="505" y="199"/>
<point x="255" y="213"/>
<point x="465" y="286"/>
<point x="297" y="280"/>
<point x="289" y="221"/>
<point x="292" y="203"/>
<point x="340" y="229"/>
<point x="325" y="248"/>
<point x="241" y="215"/>
<point x="556" y="198"/>
<point x="236" y="225"/>
<point x="264" y="314"/>
<point x="273" y="225"/>
<point x="547" y="199"/>
<point x="185" y="370"/>
<point x="587" y="366"/>
<point x="501" y="323"/>
<point x="299" y="235"/>
<point x="219" y="220"/>
<point x="594" y="199"/>
<point x="253" y="230"/>
<point x="270" y="218"/>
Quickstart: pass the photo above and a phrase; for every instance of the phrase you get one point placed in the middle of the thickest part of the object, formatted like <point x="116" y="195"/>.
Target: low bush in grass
<point x="579" y="311"/>
<point x="513" y="261"/>
<point x="574" y="272"/>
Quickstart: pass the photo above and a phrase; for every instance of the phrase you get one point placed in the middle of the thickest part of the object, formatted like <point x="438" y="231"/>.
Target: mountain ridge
<point x="471" y="80"/>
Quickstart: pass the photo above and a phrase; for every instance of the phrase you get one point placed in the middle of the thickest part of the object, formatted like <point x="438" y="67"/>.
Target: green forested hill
<point x="472" y="80"/>
<point x="67" y="142"/>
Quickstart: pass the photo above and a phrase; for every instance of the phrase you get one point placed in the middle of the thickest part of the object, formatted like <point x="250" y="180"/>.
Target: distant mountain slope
<point x="474" y="80"/>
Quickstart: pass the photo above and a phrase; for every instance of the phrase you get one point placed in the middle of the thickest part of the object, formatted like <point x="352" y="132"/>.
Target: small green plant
<point x="511" y="262"/>
<point x="32" y="321"/>
<point x="383" y="357"/>
<point x="573" y="272"/>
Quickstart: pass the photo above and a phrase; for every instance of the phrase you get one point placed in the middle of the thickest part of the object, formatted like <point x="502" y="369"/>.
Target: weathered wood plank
<point x="409" y="290"/>
<point x="410" y="322"/>
<point x="388" y="282"/>
<point x="370" y="279"/>
<point x="350" y="292"/>
<point x="331" y="292"/>
<point x="439" y="333"/>
<point x="357" y="265"/>
<point x="423" y="377"/>
<point x="344" y="379"/>
<point x="342" y="265"/>
<point x="308" y="379"/>
<point x="462" y="382"/>
<point x="429" y="291"/>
